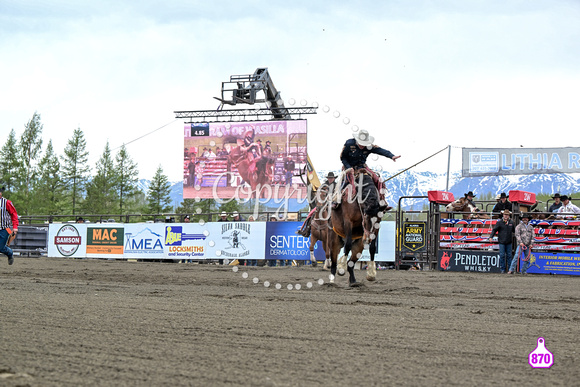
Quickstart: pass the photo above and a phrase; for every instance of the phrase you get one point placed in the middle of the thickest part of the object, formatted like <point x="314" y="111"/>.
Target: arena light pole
<point x="448" y="165"/>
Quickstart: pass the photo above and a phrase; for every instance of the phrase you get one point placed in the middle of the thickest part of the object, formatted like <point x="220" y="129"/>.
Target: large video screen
<point x="241" y="160"/>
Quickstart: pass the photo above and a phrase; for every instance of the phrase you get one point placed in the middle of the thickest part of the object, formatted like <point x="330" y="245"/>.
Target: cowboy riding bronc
<point x="354" y="156"/>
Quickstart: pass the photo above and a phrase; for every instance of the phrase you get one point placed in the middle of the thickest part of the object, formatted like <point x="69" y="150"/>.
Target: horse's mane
<point x="370" y="195"/>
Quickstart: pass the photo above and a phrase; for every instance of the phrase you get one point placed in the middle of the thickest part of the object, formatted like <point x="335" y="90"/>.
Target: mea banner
<point x="555" y="263"/>
<point x="519" y="161"/>
<point x="465" y="260"/>
<point x="145" y="240"/>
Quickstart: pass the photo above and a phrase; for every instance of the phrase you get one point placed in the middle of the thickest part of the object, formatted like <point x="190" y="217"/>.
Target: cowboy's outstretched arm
<point x="383" y="152"/>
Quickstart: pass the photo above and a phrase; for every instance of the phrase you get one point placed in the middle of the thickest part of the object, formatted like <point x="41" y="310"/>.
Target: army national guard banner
<point x="414" y="239"/>
<point x="519" y="161"/>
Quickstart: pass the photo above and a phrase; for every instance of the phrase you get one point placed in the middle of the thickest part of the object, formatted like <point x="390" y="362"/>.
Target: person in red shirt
<point x="8" y="225"/>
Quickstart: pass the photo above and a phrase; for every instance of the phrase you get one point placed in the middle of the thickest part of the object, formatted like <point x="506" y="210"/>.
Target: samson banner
<point x="519" y="161"/>
<point x="465" y="260"/>
<point x="67" y="240"/>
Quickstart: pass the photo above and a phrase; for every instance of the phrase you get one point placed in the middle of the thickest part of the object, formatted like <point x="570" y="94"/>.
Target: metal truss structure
<point x="261" y="114"/>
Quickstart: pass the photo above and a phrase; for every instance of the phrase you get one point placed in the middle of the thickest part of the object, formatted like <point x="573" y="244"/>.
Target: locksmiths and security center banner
<point x="519" y="161"/>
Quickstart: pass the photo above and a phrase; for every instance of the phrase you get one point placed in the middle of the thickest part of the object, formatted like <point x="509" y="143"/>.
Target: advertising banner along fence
<point x="192" y="241"/>
<point x="519" y="161"/>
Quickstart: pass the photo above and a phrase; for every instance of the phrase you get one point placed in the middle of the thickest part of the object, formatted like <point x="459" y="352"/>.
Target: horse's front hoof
<point x="341" y="265"/>
<point x="341" y="272"/>
<point x="355" y="284"/>
<point x="314" y="263"/>
<point x="369" y="278"/>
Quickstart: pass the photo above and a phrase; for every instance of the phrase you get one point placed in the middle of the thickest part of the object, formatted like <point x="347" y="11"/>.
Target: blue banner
<point x="282" y="242"/>
<point x="554" y="263"/>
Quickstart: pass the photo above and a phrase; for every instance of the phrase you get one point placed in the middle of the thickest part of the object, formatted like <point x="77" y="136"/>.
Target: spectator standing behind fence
<point x="568" y="207"/>
<point x="503" y="204"/>
<point x="525" y="239"/>
<point x="289" y="167"/>
<point x="504" y="228"/>
<point x="469" y="197"/>
<point x="557" y="203"/>
<point x="8" y="225"/>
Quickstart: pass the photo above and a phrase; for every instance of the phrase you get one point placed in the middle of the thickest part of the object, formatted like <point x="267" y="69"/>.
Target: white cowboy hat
<point x="224" y="213"/>
<point x="235" y="214"/>
<point x="363" y="138"/>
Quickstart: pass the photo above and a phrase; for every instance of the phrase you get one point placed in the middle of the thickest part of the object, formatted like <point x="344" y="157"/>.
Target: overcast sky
<point x="419" y="75"/>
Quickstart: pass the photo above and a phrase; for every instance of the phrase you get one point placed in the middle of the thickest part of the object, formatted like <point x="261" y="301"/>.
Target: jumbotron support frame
<point x="262" y="114"/>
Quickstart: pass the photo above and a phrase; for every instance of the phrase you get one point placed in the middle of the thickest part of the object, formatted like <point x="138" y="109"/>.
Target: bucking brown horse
<point x="356" y="223"/>
<point x="320" y="226"/>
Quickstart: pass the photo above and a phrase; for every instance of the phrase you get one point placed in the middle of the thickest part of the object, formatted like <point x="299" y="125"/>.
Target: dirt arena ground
<point x="66" y="322"/>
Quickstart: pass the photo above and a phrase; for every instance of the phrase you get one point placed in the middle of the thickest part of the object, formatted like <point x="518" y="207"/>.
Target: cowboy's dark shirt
<point x="504" y="231"/>
<point x="352" y="156"/>
<point x="499" y="207"/>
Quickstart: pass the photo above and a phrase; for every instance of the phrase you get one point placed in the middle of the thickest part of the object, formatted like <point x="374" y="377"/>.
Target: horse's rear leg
<point x="357" y="248"/>
<point x="326" y="243"/>
<point x="348" y="245"/>
<point x="335" y="247"/>
<point x="372" y="268"/>
<point x="313" y="241"/>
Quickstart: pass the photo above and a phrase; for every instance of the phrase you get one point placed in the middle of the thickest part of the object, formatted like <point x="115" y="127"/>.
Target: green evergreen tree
<point x="198" y="210"/>
<point x="49" y="188"/>
<point x="9" y="164"/>
<point x="229" y="207"/>
<point x="128" y="177"/>
<point x="75" y="170"/>
<point x="102" y="190"/>
<point x="158" y="198"/>
<point x="29" y="149"/>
